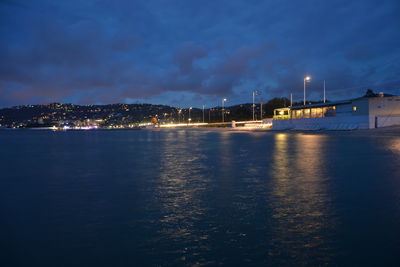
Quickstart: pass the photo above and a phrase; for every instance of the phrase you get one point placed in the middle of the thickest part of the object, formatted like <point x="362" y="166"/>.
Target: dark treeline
<point x="238" y="112"/>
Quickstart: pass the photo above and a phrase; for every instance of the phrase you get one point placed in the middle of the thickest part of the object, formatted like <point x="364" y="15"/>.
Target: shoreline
<point x="385" y="131"/>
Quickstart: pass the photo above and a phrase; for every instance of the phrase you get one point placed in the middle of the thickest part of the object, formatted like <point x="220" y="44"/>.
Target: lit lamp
<point x="223" y="101"/>
<point x="306" y="79"/>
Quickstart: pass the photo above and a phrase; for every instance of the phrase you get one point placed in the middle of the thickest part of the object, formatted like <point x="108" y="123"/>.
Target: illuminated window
<point x="354" y="108"/>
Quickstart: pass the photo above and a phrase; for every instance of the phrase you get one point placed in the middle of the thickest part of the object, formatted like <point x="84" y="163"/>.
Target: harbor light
<point x="223" y="101"/>
<point x="306" y="79"/>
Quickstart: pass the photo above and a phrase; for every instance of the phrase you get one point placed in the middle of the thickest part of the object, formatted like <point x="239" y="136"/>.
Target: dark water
<point x="191" y="197"/>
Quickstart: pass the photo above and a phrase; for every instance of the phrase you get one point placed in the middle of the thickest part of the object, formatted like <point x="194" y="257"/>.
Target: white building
<point x="373" y="111"/>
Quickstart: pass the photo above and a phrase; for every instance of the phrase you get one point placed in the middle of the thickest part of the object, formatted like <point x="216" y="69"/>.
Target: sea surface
<point x="199" y="198"/>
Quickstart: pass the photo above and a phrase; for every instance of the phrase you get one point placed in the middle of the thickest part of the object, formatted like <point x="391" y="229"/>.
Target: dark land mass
<point x="57" y="114"/>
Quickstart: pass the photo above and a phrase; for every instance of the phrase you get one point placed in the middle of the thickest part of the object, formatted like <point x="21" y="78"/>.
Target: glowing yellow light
<point x="307" y="78"/>
<point x="354" y="108"/>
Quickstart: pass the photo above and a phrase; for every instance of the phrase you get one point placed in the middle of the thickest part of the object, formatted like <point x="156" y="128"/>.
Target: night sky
<point x="189" y="53"/>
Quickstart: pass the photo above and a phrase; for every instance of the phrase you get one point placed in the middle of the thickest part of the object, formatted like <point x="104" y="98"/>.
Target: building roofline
<point x="327" y="104"/>
<point x="340" y="102"/>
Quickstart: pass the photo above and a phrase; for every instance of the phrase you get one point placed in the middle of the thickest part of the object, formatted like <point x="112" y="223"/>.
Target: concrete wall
<point x="388" y="106"/>
<point x="369" y="113"/>
<point x="267" y="121"/>
<point x="383" y="107"/>
<point x="348" y="122"/>
<point x="362" y="105"/>
<point x="388" y="121"/>
<point x="343" y="110"/>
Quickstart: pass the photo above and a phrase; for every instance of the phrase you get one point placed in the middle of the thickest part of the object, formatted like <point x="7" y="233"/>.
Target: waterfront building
<point x="369" y="111"/>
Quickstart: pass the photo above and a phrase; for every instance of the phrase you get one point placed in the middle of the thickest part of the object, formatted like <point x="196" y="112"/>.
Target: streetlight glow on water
<point x="200" y="197"/>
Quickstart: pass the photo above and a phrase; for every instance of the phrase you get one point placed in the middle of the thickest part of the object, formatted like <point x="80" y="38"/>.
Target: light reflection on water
<point x="181" y="183"/>
<point x="195" y="197"/>
<point x="394" y="145"/>
<point x="299" y="199"/>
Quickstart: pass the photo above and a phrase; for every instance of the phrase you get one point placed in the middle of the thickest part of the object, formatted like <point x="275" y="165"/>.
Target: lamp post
<point x="179" y="115"/>
<point x="203" y="113"/>
<point x="223" y="101"/>
<point x="254" y="94"/>
<point x="306" y="79"/>
<point x="190" y="118"/>
<point x="291" y="99"/>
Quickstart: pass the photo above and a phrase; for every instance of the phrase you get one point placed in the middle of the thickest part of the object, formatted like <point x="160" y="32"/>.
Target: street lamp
<point x="223" y="101"/>
<point x="179" y="115"/>
<point x="254" y="104"/>
<point x="306" y="79"/>
<point x="189" y="114"/>
<point x="203" y="113"/>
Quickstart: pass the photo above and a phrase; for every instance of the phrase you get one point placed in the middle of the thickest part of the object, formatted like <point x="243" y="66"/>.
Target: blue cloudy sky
<point x="189" y="53"/>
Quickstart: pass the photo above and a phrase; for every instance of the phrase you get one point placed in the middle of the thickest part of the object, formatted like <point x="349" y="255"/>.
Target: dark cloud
<point x="361" y="53"/>
<point x="197" y="52"/>
<point x="186" y="56"/>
